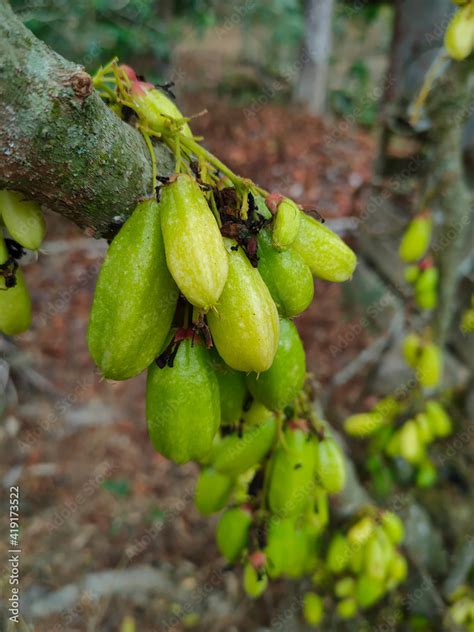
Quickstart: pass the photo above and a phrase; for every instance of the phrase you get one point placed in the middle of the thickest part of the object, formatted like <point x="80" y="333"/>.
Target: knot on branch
<point x="81" y="84"/>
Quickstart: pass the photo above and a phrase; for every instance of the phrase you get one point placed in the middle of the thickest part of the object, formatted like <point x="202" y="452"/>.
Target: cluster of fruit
<point x="459" y="36"/>
<point x="22" y="226"/>
<point x="361" y="566"/>
<point x="421" y="273"/>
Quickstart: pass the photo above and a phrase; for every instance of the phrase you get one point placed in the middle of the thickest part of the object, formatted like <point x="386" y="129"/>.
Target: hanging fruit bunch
<point x="459" y="36"/>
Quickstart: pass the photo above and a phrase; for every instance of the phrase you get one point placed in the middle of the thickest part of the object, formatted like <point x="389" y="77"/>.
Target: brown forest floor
<point x="91" y="484"/>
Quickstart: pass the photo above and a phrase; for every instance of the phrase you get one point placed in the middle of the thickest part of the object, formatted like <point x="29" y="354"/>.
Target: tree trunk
<point x="312" y="83"/>
<point x="59" y="143"/>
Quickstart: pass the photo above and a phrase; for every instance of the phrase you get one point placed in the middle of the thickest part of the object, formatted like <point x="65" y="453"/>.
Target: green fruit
<point x="411" y="447"/>
<point x="368" y="591"/>
<point x="426" y="295"/>
<point x="255" y="582"/>
<point x="411" y="348"/>
<point x="426" y="300"/>
<point x="291" y="474"/>
<point x="345" y="587"/>
<point x="397" y="570"/>
<point x="256" y="414"/>
<point x="438" y="419"/>
<point x="182" y="404"/>
<point x="459" y="36"/>
<point x="330" y="469"/>
<point x="347" y="608"/>
<point x="427" y="474"/>
<point x="411" y="274"/>
<point x="24" y="219"/>
<point x="245" y="324"/>
<point x="327" y="256"/>
<point x="416" y="238"/>
<point x="286" y="224"/>
<point x="286" y="275"/>
<point x="232" y="390"/>
<point x="155" y="108"/>
<point x="339" y="554"/>
<point x="213" y="490"/>
<point x="313" y="608"/>
<point x="375" y="559"/>
<point x="287" y="548"/>
<point x="195" y="253"/>
<point x="430" y="366"/>
<point x="361" y="531"/>
<point x="278" y="387"/>
<point x="393" y="527"/>
<point x="135" y="298"/>
<point x="425" y="431"/>
<point x="236" y="453"/>
<point x="364" y="424"/>
<point x="15" y="302"/>
<point x="232" y="532"/>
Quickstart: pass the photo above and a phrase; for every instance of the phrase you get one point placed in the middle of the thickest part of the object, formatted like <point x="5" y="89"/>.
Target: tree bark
<point x="59" y="143"/>
<point x="312" y="84"/>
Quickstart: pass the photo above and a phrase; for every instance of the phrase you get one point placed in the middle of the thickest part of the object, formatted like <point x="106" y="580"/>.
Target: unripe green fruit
<point x="375" y="558"/>
<point x="345" y="587"/>
<point x="286" y="224"/>
<point x="182" y="404"/>
<point x="286" y="275"/>
<point x="411" y="446"/>
<point x="213" y="490"/>
<point x="339" y="554"/>
<point x="279" y="386"/>
<point x="135" y="298"/>
<point x="255" y="582"/>
<point x="245" y="326"/>
<point x="313" y="608"/>
<point x="15" y="302"/>
<point x="235" y="453"/>
<point x="291" y="474"/>
<point x="416" y="238"/>
<point x="361" y="531"/>
<point x="438" y="419"/>
<point x="430" y="366"/>
<point x="347" y="608"/>
<point x="459" y="36"/>
<point x="393" y="527"/>
<point x="154" y="107"/>
<point x="425" y="431"/>
<point x="23" y="219"/>
<point x="411" y="274"/>
<point x="256" y="414"/>
<point x="368" y="590"/>
<point x="411" y="348"/>
<point x="327" y="256"/>
<point x="232" y="533"/>
<point x="427" y="474"/>
<point x="397" y="570"/>
<point x="467" y="321"/>
<point x="426" y="295"/>
<point x="279" y="533"/>
<point x="232" y="390"/>
<point x="330" y="469"/>
<point x="364" y="424"/>
<point x="195" y="253"/>
<point x="426" y="300"/>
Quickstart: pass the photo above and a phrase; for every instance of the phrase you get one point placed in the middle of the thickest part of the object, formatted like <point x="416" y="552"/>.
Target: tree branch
<point x="59" y="143"/>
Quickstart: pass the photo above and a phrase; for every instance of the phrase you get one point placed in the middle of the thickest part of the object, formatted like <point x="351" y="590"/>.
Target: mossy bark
<point x="59" y="143"/>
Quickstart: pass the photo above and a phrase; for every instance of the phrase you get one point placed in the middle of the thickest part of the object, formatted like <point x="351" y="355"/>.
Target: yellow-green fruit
<point x="411" y="274"/>
<point x="313" y="608"/>
<point x="467" y="321"/>
<point x="232" y="390"/>
<point x="459" y="36"/>
<point x="182" y="404"/>
<point x="426" y="295"/>
<point x="364" y="424"/>
<point x="411" y="348"/>
<point x="255" y="582"/>
<point x="232" y="532"/>
<point x="291" y="474"/>
<point x="155" y="107"/>
<point x="375" y="562"/>
<point x="339" y="554"/>
<point x="286" y="224"/>
<point x="393" y="446"/>
<point x="439" y="420"/>
<point x="430" y="366"/>
<point x="286" y="275"/>
<point x="327" y="256"/>
<point x="135" y="298"/>
<point x="411" y="446"/>
<point x="345" y="587"/>
<point x="278" y="387"/>
<point x="398" y="570"/>
<point x="416" y="238"/>
<point x="213" y="490"/>
<point x="368" y="590"/>
<point x="426" y="474"/>
<point x="238" y="452"/>
<point x="280" y="531"/>
<point x="23" y="219"/>
<point x="425" y="431"/>
<point x="361" y="531"/>
<point x="426" y="300"/>
<point x="347" y="608"/>
<point x="256" y="414"/>
<point x="330" y="469"/>
<point x="195" y="252"/>
<point x="15" y="302"/>
<point x="245" y="325"/>
<point x="393" y="527"/>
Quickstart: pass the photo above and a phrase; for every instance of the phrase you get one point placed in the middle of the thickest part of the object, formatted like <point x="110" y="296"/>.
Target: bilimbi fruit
<point x="232" y="390"/>
<point x="430" y="365"/>
<point x="15" y="302"/>
<point x="459" y="36"/>
<point x="330" y="470"/>
<point x="286" y="224"/>
<point x="416" y="238"/>
<point x="23" y="219"/>
<point x="135" y="298"/>
<point x="426" y="295"/>
<point x="213" y="491"/>
<point x="232" y="532"/>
